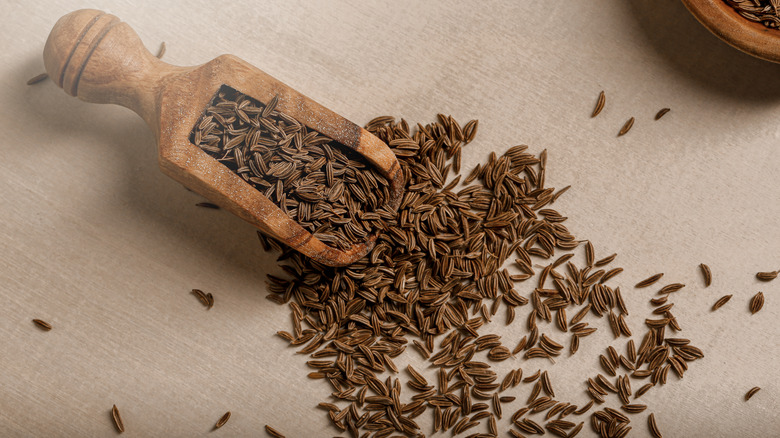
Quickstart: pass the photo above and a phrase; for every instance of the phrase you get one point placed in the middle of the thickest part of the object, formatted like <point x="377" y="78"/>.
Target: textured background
<point x="95" y="240"/>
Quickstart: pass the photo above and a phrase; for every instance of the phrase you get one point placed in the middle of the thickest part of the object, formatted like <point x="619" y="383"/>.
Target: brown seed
<point x="222" y="420"/>
<point x="641" y="391"/>
<point x="605" y="261"/>
<point x="649" y="280"/>
<point x="757" y="302"/>
<point x="599" y="105"/>
<point x="626" y="127"/>
<point x="38" y="78"/>
<point x="547" y="385"/>
<point x="705" y="270"/>
<point x="207" y="205"/>
<point x="721" y="301"/>
<point x="160" y="51"/>
<point x="751" y="393"/>
<point x="42" y="324"/>
<point x="661" y="113"/>
<point x="767" y="276"/>
<point x="275" y="433"/>
<point x="634" y="408"/>
<point x="670" y="288"/>
<point x="120" y="426"/>
<point x="653" y="426"/>
<point x="590" y="256"/>
<point x="201" y="296"/>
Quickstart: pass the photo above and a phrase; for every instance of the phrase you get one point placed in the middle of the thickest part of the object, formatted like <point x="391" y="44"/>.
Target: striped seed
<point x="757" y="302"/>
<point x="599" y="104"/>
<point x="649" y="280"/>
<point x="751" y="393"/>
<point x="38" y="78"/>
<point x="767" y="276"/>
<point x="222" y="420"/>
<point x="661" y="113"/>
<point x="721" y="301"/>
<point x="160" y="51"/>
<point x="626" y="127"/>
<point x="42" y="324"/>
<point x="275" y="433"/>
<point x="653" y="426"/>
<point x="120" y="426"/>
<point x="705" y="271"/>
<point x="201" y="296"/>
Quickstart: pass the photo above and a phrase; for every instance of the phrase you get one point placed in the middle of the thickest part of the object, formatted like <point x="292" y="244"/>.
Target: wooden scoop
<point x="96" y="57"/>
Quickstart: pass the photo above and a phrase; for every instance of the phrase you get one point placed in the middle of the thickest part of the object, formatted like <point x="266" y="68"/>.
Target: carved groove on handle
<point x="94" y="45"/>
<point x="61" y="79"/>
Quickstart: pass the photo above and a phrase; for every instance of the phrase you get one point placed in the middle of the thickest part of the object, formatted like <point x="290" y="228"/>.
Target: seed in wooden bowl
<point x="222" y="420"/>
<point x="207" y="205"/>
<point x="751" y="393"/>
<point x="120" y="426"/>
<point x="757" y="302"/>
<point x="42" y="324"/>
<point x="758" y="11"/>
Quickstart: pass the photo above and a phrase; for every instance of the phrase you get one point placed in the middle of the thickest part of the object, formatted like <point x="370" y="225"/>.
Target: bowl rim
<point x="748" y="36"/>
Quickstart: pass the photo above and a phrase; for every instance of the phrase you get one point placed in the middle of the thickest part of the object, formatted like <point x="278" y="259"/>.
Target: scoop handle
<point x="96" y="57"/>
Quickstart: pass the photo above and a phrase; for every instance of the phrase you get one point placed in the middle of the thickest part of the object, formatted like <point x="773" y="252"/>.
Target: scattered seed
<point x="222" y="420"/>
<point x="661" y="113"/>
<point x="599" y="105"/>
<point x="721" y="301"/>
<point x="757" y="302"/>
<point x="705" y="270"/>
<point x="120" y="426"/>
<point x="767" y="276"/>
<point x="38" y="78"/>
<point x="161" y="50"/>
<point x="42" y="324"/>
<point x="203" y="297"/>
<point x="653" y="426"/>
<point x="649" y="280"/>
<point x="626" y="127"/>
<point x="273" y="432"/>
<point x="751" y="393"/>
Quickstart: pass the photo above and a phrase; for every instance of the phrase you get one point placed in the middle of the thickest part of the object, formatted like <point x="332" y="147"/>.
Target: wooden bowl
<point x="750" y="37"/>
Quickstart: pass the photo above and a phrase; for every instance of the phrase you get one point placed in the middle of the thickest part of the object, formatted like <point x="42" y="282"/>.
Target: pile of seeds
<point x="438" y="271"/>
<point x="766" y="12"/>
<point x="325" y="187"/>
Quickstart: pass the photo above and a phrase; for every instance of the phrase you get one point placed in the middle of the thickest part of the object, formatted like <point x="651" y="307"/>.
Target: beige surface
<point x="95" y="240"/>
